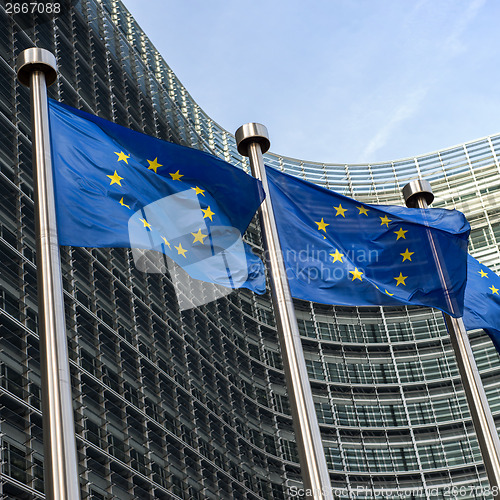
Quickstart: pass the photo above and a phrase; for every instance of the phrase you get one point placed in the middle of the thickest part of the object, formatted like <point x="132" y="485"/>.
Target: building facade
<point x="192" y="404"/>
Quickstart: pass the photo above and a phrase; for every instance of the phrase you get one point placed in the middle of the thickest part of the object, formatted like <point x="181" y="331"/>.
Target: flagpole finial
<point x="416" y="190"/>
<point x="252" y="132"/>
<point x="36" y="59"/>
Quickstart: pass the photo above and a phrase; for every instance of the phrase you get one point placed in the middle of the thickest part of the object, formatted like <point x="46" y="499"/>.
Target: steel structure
<point x="193" y="404"/>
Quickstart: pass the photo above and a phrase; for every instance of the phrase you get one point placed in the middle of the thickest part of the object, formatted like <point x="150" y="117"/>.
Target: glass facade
<point x="192" y="404"/>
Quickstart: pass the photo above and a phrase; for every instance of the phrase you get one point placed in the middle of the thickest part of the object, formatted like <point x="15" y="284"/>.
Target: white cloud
<point x="404" y="111"/>
<point x="429" y="74"/>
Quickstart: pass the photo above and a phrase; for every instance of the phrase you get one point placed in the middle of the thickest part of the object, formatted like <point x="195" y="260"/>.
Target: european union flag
<point x="482" y="300"/>
<point x="340" y="251"/>
<point x="118" y="188"/>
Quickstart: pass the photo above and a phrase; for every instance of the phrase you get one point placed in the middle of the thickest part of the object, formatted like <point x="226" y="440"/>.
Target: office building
<point x="192" y="404"/>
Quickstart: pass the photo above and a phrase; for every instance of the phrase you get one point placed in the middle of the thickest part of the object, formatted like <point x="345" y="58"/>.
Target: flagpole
<point x="418" y="194"/>
<point x="37" y="69"/>
<point x="253" y="140"/>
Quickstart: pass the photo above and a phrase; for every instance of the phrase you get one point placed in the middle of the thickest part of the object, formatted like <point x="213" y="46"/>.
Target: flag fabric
<point x="482" y="300"/>
<point x="340" y="251"/>
<point x="115" y="187"/>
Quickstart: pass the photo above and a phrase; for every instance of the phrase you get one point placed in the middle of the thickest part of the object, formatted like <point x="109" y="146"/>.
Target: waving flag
<point x="118" y="188"/>
<point x="340" y="251"/>
<point x="482" y="300"/>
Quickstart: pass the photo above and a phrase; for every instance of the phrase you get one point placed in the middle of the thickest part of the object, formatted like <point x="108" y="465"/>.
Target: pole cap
<point x="36" y="59"/>
<point x="416" y="189"/>
<point x="252" y="132"/>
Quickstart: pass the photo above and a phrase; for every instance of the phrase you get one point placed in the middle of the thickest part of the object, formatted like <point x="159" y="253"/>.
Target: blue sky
<point x="337" y="80"/>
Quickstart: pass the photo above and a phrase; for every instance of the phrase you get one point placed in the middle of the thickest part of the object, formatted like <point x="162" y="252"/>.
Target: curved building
<point x="173" y="404"/>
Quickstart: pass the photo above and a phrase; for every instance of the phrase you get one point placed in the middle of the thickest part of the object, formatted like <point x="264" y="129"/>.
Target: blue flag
<point x="118" y="188"/>
<point x="482" y="300"/>
<point x="340" y="251"/>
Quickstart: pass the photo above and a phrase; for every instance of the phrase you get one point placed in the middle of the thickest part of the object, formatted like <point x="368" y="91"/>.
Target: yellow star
<point x="407" y="255"/>
<point x="337" y="256"/>
<point x="180" y="250"/>
<point x="340" y="211"/>
<point x="401" y="233"/>
<point x="322" y="225"/>
<point x="153" y="165"/>
<point x="385" y="220"/>
<point x="146" y="224"/>
<point x="199" y="237"/>
<point x="362" y="210"/>
<point x="199" y="191"/>
<point x="493" y="289"/>
<point x="165" y="240"/>
<point x="115" y="179"/>
<point x="400" y="279"/>
<point x="122" y="156"/>
<point x="483" y="274"/>
<point x="123" y="204"/>
<point x="176" y="176"/>
<point x="207" y="213"/>
<point x="391" y="294"/>
<point x="356" y="275"/>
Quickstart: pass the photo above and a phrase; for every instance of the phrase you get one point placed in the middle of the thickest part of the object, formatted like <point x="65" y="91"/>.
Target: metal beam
<point x="253" y="141"/>
<point x="418" y="194"/>
<point x="37" y="68"/>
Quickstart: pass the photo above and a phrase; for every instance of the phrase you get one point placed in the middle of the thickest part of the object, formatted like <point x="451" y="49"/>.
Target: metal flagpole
<point x="418" y="194"/>
<point x="253" y="141"/>
<point x="37" y="68"/>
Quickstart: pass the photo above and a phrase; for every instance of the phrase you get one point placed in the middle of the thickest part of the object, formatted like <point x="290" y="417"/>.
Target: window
<point x="14" y="462"/>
